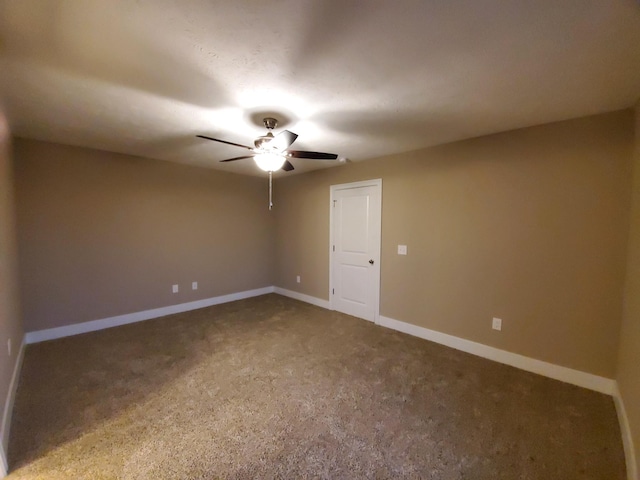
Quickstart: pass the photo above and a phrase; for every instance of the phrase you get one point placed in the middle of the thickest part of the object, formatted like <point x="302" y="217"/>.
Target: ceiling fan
<point x="271" y="152"/>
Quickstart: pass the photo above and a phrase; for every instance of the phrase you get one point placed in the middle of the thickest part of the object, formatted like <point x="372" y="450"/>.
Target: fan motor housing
<point x="263" y="139"/>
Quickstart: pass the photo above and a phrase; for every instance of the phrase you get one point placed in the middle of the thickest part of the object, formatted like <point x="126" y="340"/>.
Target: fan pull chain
<point x="270" y="190"/>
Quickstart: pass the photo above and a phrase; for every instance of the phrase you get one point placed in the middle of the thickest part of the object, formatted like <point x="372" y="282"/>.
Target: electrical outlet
<point x="194" y="285"/>
<point x="298" y="279"/>
<point x="402" y="249"/>
<point x="496" y="324"/>
<point x="175" y="289"/>
<point x="9" y="347"/>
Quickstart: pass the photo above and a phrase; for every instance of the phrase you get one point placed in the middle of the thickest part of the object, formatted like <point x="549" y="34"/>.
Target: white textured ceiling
<point x="358" y="78"/>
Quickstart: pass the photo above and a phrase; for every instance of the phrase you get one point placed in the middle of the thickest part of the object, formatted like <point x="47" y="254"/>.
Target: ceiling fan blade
<point x="287" y="167"/>
<point x="237" y="158"/>
<point x="312" y="155"/>
<point x="224" y="141"/>
<point x="282" y="141"/>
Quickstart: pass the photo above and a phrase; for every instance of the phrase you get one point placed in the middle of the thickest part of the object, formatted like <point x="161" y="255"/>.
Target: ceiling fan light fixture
<point x="269" y="162"/>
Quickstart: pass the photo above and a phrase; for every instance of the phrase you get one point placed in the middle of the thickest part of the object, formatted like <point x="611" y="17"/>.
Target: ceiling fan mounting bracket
<point x="270" y="123"/>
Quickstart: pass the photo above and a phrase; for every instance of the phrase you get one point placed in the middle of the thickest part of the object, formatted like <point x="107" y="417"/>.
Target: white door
<point x="356" y="210"/>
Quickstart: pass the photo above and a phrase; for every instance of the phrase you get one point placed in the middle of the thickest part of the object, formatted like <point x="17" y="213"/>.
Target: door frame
<point x="376" y="182"/>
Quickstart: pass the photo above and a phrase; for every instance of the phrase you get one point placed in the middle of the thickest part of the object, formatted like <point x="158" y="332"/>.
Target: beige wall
<point x="102" y="234"/>
<point x="629" y="359"/>
<point x="10" y="322"/>
<point x="530" y="226"/>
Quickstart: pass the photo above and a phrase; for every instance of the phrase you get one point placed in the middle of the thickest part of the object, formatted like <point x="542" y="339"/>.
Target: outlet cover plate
<point x="496" y="324"/>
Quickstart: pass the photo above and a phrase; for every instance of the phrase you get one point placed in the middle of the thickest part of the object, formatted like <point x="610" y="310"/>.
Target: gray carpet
<point x="274" y="388"/>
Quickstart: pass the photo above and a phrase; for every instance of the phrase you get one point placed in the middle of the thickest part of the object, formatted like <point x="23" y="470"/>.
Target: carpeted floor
<point x="270" y="387"/>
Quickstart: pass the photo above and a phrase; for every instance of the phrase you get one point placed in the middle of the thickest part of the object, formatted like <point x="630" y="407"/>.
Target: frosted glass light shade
<point x="269" y="162"/>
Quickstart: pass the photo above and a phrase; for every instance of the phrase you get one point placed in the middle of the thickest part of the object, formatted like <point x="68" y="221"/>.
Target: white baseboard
<point x="8" y="411"/>
<point x="564" y="374"/>
<point x="318" y="302"/>
<point x="627" y="439"/>
<point x="93" y="325"/>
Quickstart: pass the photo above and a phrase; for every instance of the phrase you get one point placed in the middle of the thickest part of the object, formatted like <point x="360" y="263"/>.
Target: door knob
<point x="371" y="261"/>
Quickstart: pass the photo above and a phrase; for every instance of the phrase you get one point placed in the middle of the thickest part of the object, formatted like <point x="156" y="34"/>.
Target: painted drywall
<point x="102" y="234"/>
<point x="629" y="360"/>
<point x="530" y="226"/>
<point x="10" y="321"/>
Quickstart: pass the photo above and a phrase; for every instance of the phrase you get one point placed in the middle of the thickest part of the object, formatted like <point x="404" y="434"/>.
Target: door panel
<point x="354" y="225"/>
<point x="353" y="282"/>
<point x="355" y="253"/>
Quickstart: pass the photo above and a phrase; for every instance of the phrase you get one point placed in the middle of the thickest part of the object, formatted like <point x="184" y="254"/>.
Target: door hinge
<point x="334" y="203"/>
<point x="334" y="248"/>
<point x="333" y="291"/>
